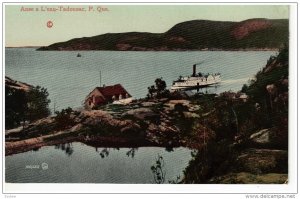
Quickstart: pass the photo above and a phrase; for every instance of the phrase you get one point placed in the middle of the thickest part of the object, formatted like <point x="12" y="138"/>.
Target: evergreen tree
<point x="21" y="105"/>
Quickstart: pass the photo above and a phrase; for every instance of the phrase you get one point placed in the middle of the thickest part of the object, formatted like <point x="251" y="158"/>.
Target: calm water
<point x="69" y="78"/>
<point x="83" y="164"/>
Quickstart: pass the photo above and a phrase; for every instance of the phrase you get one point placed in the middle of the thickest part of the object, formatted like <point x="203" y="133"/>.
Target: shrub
<point x="63" y="118"/>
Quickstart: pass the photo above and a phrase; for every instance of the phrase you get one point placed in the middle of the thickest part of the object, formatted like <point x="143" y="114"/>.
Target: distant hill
<point x="190" y="35"/>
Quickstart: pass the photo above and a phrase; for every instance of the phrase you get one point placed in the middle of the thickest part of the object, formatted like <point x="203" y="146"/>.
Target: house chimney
<point x="194" y="70"/>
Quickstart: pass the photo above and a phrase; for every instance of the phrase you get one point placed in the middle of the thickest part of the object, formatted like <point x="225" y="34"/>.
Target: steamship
<point x="196" y="80"/>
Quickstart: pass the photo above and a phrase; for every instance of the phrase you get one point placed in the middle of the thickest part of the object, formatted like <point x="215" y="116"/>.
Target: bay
<point x="79" y="163"/>
<point x="69" y="78"/>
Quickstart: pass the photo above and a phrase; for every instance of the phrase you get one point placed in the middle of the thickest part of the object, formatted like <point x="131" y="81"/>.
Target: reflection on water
<point x="79" y="163"/>
<point x="131" y="152"/>
<point x="104" y="153"/>
<point x="65" y="147"/>
<point x="158" y="170"/>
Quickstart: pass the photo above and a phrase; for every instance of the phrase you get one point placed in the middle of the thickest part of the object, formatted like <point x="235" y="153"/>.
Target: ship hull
<point x="195" y="82"/>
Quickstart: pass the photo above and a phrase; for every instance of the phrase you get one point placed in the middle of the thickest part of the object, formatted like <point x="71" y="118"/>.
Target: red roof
<point x="109" y="91"/>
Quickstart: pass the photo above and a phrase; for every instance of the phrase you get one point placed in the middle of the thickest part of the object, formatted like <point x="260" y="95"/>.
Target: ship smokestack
<point x="194" y="70"/>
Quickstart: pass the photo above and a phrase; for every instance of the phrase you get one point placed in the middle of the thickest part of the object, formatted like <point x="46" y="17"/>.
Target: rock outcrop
<point x="249" y="178"/>
<point x="259" y="161"/>
<point x="140" y="113"/>
<point x="17" y="84"/>
<point x="261" y="137"/>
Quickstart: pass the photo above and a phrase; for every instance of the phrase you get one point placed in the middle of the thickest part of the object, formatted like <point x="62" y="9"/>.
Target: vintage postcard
<point x="146" y="94"/>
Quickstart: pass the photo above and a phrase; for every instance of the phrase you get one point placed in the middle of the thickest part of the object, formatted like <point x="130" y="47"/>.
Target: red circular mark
<point x="49" y="24"/>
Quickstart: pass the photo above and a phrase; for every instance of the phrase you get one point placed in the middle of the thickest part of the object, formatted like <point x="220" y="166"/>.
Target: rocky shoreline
<point x="146" y="125"/>
<point x="157" y="122"/>
<point x="238" y="137"/>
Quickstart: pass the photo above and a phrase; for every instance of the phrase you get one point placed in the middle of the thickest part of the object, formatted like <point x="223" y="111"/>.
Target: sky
<point x="29" y="28"/>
